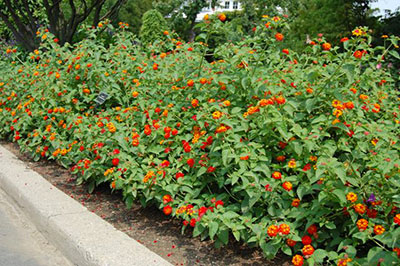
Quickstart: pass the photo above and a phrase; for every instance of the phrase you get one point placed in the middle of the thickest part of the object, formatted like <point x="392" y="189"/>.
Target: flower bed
<point x="285" y="151"/>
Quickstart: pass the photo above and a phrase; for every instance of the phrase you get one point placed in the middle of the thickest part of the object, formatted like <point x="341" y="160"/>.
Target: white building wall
<point x="223" y="5"/>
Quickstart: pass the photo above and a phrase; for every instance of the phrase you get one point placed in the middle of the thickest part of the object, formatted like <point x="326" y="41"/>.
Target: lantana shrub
<point x="282" y="151"/>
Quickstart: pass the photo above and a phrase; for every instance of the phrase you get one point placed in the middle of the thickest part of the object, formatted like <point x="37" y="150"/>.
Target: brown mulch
<point x="148" y="226"/>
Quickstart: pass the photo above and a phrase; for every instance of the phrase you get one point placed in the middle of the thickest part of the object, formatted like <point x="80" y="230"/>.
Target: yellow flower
<point x="374" y="141"/>
<point x="217" y="115"/>
<point x="358" y="32"/>
<point x="292" y="163"/>
<point x="337" y="113"/>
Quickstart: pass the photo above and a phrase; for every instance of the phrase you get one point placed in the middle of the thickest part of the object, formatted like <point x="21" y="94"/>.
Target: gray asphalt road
<point x="20" y="243"/>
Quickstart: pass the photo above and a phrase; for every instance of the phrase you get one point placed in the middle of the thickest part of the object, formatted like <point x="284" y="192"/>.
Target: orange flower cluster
<point x="362" y="224"/>
<point x="379" y="229"/>
<point x="150" y="174"/>
<point x="298" y="260"/>
<point x="352" y="197"/>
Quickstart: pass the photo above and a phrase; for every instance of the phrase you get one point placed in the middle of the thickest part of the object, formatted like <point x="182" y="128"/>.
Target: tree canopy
<point x="63" y="17"/>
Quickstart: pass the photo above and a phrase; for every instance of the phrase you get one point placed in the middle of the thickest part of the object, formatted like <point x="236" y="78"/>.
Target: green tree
<point x="63" y="17"/>
<point x="132" y="13"/>
<point x="333" y="18"/>
<point x="153" y="27"/>
<point x="182" y="14"/>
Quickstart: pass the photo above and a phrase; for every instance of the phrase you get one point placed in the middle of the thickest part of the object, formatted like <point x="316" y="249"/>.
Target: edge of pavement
<point x="83" y="237"/>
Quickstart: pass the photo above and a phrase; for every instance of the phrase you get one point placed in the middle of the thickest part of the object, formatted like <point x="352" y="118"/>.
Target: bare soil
<point x="148" y="226"/>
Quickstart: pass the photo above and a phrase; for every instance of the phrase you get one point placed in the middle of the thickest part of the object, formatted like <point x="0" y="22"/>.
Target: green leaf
<point x="91" y="186"/>
<point x="225" y="154"/>
<point x="236" y="234"/>
<point x="287" y="250"/>
<point x="330" y="225"/>
<point x="246" y="83"/>
<point x="234" y="179"/>
<point x="213" y="228"/>
<point x="310" y="104"/>
<point x="129" y="201"/>
<point x="198" y="229"/>
<point x="201" y="171"/>
<point x="340" y="194"/>
<point x="319" y="255"/>
<point x="230" y="215"/>
<point x="311" y="261"/>
<point x="236" y="110"/>
<point x="374" y="255"/>
<point x="223" y="235"/>
<point x="394" y="54"/>
<point x="341" y="173"/>
<point x="301" y="191"/>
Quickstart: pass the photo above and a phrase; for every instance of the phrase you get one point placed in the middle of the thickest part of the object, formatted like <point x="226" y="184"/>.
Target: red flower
<point x="147" y="130"/>
<point x="186" y="146"/>
<point x="207" y="143"/>
<point x="285" y="51"/>
<point x="312" y="229"/>
<point x="282" y="144"/>
<point x="276" y="175"/>
<point x="397" y="219"/>
<point x="280" y="100"/>
<point x="190" y="162"/>
<point x="167" y="198"/>
<point x="211" y="169"/>
<point x="372" y="213"/>
<point x="115" y="161"/>
<point x="298" y="260"/>
<point x="287" y="186"/>
<point x="190" y="83"/>
<point x="174" y="132"/>
<point x="307" y="250"/>
<point x="202" y="211"/>
<point x="290" y="242"/>
<point x="167" y="210"/>
<point x="326" y="46"/>
<point x="307" y="167"/>
<point x="115" y="151"/>
<point x="219" y="202"/>
<point x="284" y="229"/>
<point x="222" y="17"/>
<point x="193" y="222"/>
<point x="279" y="37"/>
<point x="306" y="240"/>
<point x="272" y="230"/>
<point x="165" y="163"/>
<point x="167" y="129"/>
<point x="179" y="175"/>
<point x="350" y="133"/>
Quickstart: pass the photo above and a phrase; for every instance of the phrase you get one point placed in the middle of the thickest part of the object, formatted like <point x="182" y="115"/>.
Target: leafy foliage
<point x="153" y="28"/>
<point x="132" y="13"/>
<point x="182" y="14"/>
<point x="280" y="150"/>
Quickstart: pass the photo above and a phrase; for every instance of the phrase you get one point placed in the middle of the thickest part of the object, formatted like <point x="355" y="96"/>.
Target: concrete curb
<point x="83" y="237"/>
